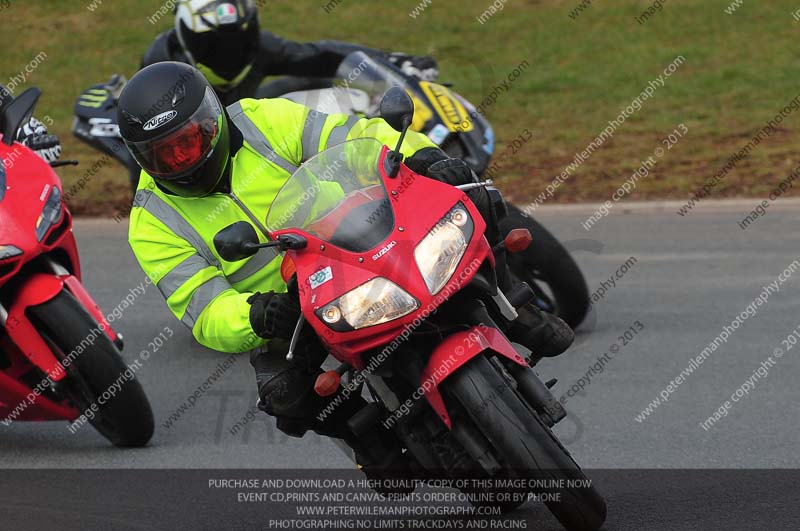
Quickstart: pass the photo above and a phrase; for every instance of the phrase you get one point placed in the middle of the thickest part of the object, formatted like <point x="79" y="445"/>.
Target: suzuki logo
<point x="384" y="250"/>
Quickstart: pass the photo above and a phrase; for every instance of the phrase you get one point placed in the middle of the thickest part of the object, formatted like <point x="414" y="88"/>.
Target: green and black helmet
<point x="220" y="38"/>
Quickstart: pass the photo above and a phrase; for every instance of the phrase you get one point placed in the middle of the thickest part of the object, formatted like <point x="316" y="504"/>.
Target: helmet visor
<point x="179" y="151"/>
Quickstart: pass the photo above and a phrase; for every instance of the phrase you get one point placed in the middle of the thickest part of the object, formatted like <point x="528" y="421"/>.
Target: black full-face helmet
<point x="220" y="38"/>
<point x="176" y="128"/>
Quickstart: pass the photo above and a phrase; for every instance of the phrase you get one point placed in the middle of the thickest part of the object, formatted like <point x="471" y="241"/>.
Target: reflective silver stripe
<point x="202" y="297"/>
<point x="264" y="251"/>
<point x="256" y="138"/>
<point x="167" y="215"/>
<point x="256" y="263"/>
<point x="179" y="274"/>
<point x="340" y="132"/>
<point x="312" y="131"/>
<point x="249" y="214"/>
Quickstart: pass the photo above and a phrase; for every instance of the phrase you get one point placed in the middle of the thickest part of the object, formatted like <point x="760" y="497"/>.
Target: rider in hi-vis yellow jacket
<point x="206" y="167"/>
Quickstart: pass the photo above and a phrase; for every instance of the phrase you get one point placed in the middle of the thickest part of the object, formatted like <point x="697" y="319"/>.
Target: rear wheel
<point x="523" y="445"/>
<point x="549" y="269"/>
<point x="125" y="419"/>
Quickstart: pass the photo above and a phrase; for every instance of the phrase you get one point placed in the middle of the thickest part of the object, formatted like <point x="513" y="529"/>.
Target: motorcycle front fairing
<point x="373" y="231"/>
<point x="34" y="222"/>
<point x="387" y="219"/>
<point x="29" y="184"/>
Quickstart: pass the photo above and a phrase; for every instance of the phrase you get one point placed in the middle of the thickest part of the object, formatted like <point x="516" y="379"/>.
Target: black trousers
<point x="286" y="391"/>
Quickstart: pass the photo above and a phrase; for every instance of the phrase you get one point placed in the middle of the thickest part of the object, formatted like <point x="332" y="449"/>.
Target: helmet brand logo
<point x="226" y="13"/>
<point x="159" y="120"/>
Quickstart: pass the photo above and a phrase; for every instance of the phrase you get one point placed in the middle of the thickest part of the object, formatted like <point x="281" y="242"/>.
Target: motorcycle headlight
<point x="374" y="302"/>
<point x="50" y="213"/>
<point x="9" y="251"/>
<point x="438" y="254"/>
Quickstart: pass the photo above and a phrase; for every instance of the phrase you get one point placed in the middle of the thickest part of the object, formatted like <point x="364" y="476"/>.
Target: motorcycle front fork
<point x="536" y="392"/>
<point x="529" y="385"/>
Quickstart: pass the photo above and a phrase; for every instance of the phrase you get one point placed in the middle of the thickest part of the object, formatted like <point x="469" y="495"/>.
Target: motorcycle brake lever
<point x="293" y="343"/>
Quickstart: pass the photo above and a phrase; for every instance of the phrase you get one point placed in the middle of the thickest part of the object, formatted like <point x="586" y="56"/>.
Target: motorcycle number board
<point x="452" y="112"/>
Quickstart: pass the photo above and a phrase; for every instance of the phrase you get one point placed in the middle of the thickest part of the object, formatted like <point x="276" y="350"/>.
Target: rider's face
<point x="183" y="151"/>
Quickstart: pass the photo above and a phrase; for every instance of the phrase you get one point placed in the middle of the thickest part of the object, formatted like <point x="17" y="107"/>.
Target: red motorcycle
<point x="397" y="279"/>
<point x="59" y="357"/>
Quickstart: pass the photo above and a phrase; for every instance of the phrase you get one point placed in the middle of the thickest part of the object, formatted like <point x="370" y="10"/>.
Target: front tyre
<point x="522" y="444"/>
<point x="126" y="419"/>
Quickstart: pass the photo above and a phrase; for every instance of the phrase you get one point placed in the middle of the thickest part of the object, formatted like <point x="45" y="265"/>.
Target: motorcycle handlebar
<point x="470" y="186"/>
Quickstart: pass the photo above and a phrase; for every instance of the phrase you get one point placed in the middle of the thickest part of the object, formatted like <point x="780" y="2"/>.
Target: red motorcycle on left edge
<point x="59" y="357"/>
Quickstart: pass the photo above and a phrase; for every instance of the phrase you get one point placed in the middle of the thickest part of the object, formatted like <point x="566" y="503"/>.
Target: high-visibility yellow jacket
<point x="172" y="237"/>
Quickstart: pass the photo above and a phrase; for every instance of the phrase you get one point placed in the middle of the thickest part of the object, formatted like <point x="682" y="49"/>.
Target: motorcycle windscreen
<point x="337" y="196"/>
<point x="2" y="179"/>
<point x="360" y="71"/>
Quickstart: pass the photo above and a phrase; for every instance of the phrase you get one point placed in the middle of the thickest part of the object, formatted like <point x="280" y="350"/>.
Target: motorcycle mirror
<point x="236" y="242"/>
<point x="16" y="112"/>
<point x="397" y="108"/>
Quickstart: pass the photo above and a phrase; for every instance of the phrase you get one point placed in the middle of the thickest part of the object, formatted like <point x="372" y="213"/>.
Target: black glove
<point x="436" y="164"/>
<point x="424" y="68"/>
<point x="274" y="315"/>
<point x="422" y="160"/>
<point x="452" y="171"/>
<point x="34" y="135"/>
<point x="433" y="163"/>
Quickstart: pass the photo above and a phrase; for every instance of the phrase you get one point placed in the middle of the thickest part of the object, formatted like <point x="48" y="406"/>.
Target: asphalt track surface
<point x="691" y="277"/>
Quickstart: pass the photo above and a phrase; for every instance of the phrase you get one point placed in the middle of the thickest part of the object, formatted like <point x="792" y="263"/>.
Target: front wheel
<point x="125" y="419"/>
<point x="546" y="263"/>
<point x="523" y="445"/>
